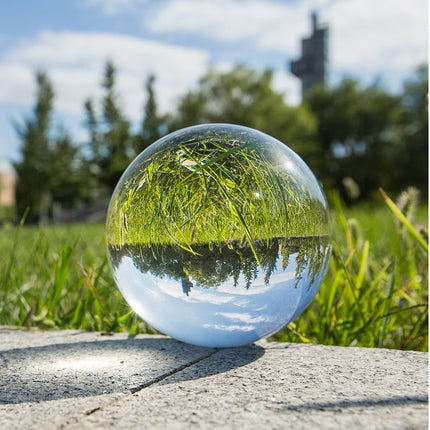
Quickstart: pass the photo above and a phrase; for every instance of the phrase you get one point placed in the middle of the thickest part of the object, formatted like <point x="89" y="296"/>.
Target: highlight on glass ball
<point x="218" y="235"/>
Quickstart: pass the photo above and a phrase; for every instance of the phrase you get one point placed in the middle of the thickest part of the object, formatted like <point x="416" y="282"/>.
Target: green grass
<point x="376" y="291"/>
<point x="374" y="295"/>
<point x="58" y="277"/>
<point x="214" y="178"/>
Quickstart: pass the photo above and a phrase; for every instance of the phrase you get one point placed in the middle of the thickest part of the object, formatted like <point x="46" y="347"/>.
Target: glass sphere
<point x="218" y="235"/>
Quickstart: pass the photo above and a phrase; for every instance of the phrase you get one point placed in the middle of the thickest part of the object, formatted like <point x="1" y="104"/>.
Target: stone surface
<point x="75" y="380"/>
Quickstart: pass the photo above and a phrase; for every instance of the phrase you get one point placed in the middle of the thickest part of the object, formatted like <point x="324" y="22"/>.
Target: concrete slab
<point x="75" y="380"/>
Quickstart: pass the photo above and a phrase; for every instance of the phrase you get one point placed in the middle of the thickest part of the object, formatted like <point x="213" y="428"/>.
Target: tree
<point x="154" y="124"/>
<point x="49" y="169"/>
<point x="34" y="134"/>
<point x="244" y="96"/>
<point x="412" y="158"/>
<point x="111" y="144"/>
<point x="68" y="180"/>
<point x="357" y="132"/>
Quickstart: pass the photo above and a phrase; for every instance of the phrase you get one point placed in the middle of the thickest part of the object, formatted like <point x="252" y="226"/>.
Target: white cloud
<point x="384" y="38"/>
<point x="244" y="317"/>
<point x="271" y="25"/>
<point x="112" y="7"/>
<point x="230" y="327"/>
<point x="366" y="37"/>
<point x="378" y="36"/>
<point x="75" y="63"/>
<point x="17" y="82"/>
<point x="288" y="85"/>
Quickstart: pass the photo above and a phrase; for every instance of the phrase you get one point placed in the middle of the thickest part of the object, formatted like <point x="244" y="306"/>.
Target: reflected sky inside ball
<point x="221" y="317"/>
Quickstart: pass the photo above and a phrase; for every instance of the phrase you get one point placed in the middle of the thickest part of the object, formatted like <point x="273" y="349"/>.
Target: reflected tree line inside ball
<point x="213" y="264"/>
<point x="212" y="189"/>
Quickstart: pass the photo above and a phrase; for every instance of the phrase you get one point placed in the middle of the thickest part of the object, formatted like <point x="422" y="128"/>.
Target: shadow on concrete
<point x="222" y="361"/>
<point x="83" y="369"/>
<point x="356" y="403"/>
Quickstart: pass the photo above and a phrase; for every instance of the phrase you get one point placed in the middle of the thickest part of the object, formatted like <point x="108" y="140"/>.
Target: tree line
<point x="355" y="138"/>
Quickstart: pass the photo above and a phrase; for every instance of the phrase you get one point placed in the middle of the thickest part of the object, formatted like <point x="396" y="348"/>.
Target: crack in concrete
<point x="170" y="373"/>
<point x="90" y="412"/>
<point x="153" y="381"/>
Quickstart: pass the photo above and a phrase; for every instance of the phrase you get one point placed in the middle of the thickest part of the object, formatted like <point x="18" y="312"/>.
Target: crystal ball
<point x="218" y="235"/>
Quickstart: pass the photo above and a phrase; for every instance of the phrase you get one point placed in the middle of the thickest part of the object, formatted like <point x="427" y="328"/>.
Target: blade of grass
<point x="236" y="210"/>
<point x="386" y="311"/>
<point x="5" y="284"/>
<point x="349" y="281"/>
<point x="404" y="220"/>
<point x="363" y="265"/>
<point x="61" y="272"/>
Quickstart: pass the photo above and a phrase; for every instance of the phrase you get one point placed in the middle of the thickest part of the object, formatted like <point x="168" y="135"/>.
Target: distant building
<point x="312" y="67"/>
<point x="7" y="185"/>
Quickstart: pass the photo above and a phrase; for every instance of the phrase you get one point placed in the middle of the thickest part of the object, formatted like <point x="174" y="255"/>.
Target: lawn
<point x="374" y="295"/>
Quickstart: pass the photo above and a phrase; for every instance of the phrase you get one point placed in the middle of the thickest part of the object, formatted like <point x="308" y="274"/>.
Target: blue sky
<point x="178" y="39"/>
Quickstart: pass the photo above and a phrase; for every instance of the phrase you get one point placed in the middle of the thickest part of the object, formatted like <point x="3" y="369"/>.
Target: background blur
<point x="88" y="84"/>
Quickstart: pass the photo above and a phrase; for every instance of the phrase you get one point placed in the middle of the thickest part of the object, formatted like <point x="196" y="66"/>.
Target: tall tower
<point x="312" y="67"/>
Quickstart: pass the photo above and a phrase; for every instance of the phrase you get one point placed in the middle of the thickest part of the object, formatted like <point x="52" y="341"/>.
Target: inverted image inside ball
<point x="218" y="235"/>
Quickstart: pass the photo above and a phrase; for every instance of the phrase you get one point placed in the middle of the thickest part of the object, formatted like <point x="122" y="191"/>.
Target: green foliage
<point x="354" y="138"/>
<point x="210" y="265"/>
<point x="412" y="158"/>
<point x="59" y="277"/>
<point x="246" y="97"/>
<point x="7" y="214"/>
<point x="68" y="181"/>
<point x="49" y="170"/>
<point x="212" y="179"/>
<point x="375" y="138"/>
<point x="355" y="131"/>
<point x="346" y="132"/>
<point x="111" y="143"/>
<point x="34" y="134"/>
<point x="375" y="293"/>
<point x="154" y="124"/>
